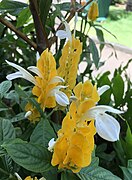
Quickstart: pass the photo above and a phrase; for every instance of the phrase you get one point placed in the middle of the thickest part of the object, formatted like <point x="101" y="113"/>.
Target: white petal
<point x="103" y="89"/>
<point x="75" y="22"/>
<point x="35" y="70"/>
<point x="51" y="144"/>
<point x="17" y="175"/>
<point x="62" y="34"/>
<point x="91" y="113"/>
<point x="107" y="127"/>
<point x="15" y="75"/>
<point x="25" y="74"/>
<point x="56" y="79"/>
<point x="73" y="98"/>
<point x="61" y="98"/>
<point x="56" y="89"/>
<point x="28" y="113"/>
<point x="42" y="178"/>
<point x="68" y="31"/>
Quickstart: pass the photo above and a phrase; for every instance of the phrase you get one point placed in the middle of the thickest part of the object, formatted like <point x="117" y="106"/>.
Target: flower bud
<point x="93" y="11"/>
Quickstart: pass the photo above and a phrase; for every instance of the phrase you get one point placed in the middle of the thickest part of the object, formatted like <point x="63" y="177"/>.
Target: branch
<point x="71" y="15"/>
<point x="80" y="9"/>
<point x="18" y="32"/>
<point x="42" y="41"/>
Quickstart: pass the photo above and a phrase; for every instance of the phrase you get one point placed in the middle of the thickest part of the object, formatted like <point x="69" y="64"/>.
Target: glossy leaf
<point x="4" y="87"/>
<point x="43" y="133"/>
<point x="127" y="172"/>
<point x="30" y="156"/>
<point x="94" y="51"/>
<point x="23" y="17"/>
<point x="100" y="36"/>
<point x="6" y="130"/>
<point x="104" y="80"/>
<point x="69" y="175"/>
<point x="95" y="172"/>
<point x="118" y="89"/>
<point x="44" y="7"/>
<point x="50" y="175"/>
<point x="13" y="7"/>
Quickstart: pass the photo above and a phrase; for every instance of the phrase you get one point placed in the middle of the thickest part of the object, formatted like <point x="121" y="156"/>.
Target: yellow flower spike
<point x="85" y="105"/>
<point x="75" y="142"/>
<point x="95" y="95"/>
<point x="86" y="91"/>
<point x="74" y="157"/>
<point x="68" y="124"/>
<point x="47" y="67"/>
<point x="29" y="178"/>
<point x="60" y="150"/>
<point x="78" y="90"/>
<point x="93" y="12"/>
<point x="68" y="63"/>
<point x="32" y="113"/>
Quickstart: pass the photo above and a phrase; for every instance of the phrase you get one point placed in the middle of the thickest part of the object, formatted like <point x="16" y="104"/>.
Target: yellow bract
<point x="69" y="63"/>
<point x="75" y="142"/>
<point x="35" y="115"/>
<point x="47" y="67"/>
<point x="86" y="91"/>
<point x="29" y="178"/>
<point x="93" y="11"/>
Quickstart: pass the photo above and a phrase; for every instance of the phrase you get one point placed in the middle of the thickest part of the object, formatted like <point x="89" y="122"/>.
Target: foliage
<point x="30" y="29"/>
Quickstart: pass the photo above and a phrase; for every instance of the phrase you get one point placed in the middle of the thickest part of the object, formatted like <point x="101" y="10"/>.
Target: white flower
<point x="21" y="73"/>
<point x="56" y="79"/>
<point x="107" y="126"/>
<point x="51" y="144"/>
<point x="61" y="97"/>
<point x="35" y="70"/>
<point x="75" y="22"/>
<point x="28" y="113"/>
<point x="17" y="175"/>
<point x="102" y="89"/>
<point x="62" y="34"/>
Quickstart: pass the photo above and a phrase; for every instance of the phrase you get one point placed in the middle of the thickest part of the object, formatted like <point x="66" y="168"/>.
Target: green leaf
<point x="69" y="175"/>
<point x="13" y="7"/>
<point x="94" y="172"/>
<point x="104" y="80"/>
<point x="43" y="133"/>
<point x="118" y="89"/>
<point x="26" y="97"/>
<point x="44" y="7"/>
<point x="23" y="17"/>
<point x="30" y="156"/>
<point x="94" y="51"/>
<point x="4" y="87"/>
<point x="127" y="172"/>
<point x="27" y="29"/>
<point x="51" y="175"/>
<point x="18" y="117"/>
<point x="100" y="36"/>
<point x="6" y="130"/>
<point x="127" y="143"/>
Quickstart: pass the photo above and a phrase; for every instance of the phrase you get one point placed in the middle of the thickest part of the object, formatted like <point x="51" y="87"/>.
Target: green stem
<point x="4" y="172"/>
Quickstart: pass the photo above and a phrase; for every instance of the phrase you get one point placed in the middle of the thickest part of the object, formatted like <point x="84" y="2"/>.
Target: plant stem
<point x="71" y="15"/>
<point x="18" y="32"/>
<point x="4" y="172"/>
<point x="42" y="41"/>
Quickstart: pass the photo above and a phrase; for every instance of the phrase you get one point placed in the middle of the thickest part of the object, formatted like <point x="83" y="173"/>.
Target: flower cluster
<point x="53" y="87"/>
<point x="75" y="142"/>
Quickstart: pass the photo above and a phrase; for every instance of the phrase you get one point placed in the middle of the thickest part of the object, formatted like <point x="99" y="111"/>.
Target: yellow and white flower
<point x="46" y="80"/>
